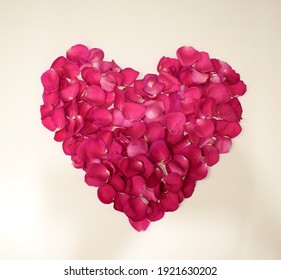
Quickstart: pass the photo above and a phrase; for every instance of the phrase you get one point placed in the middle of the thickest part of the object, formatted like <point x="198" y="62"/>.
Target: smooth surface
<point x="46" y="209"/>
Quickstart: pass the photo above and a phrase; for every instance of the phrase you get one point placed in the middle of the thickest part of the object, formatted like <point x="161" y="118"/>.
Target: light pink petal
<point x="129" y="75"/>
<point x="188" y="188"/>
<point x="199" y="173"/>
<point x="218" y="92"/>
<point x="135" y="208"/>
<point x="159" y="152"/>
<point x="204" y="128"/>
<point x="230" y="129"/>
<point x="101" y="117"/>
<point x="137" y="130"/>
<point x="50" y="80"/>
<point x="154" y="211"/>
<point x="106" y="194"/>
<point x="208" y="107"/>
<point x="95" y="55"/>
<point x="117" y="117"/>
<point x="108" y="82"/>
<point x="179" y="164"/>
<point x="173" y="182"/>
<point x="137" y="147"/>
<point x="95" y="148"/>
<point x="71" y="70"/>
<point x="187" y="56"/>
<point x="91" y="76"/>
<point x="211" y="155"/>
<point x="238" y="89"/>
<point x="133" y="111"/>
<point x="151" y="85"/>
<point x="56" y="121"/>
<point x="78" y="54"/>
<point x="96" y="175"/>
<point x="154" y="131"/>
<point x="120" y="200"/>
<point x="95" y="94"/>
<point x="169" y="202"/>
<point x="171" y="83"/>
<point x="140" y="225"/>
<point x="199" y="77"/>
<point x="131" y="167"/>
<point x="204" y="64"/>
<point x="69" y="93"/>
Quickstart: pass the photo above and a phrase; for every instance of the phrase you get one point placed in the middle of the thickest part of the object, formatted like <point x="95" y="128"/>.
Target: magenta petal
<point x="135" y="208"/>
<point x="169" y="201"/>
<point x="171" y="83"/>
<point x="208" y="107"/>
<point x="151" y="85"/>
<point x="91" y="76"/>
<point x="96" y="175"/>
<point x="211" y="155"/>
<point x="204" y="128"/>
<point x="71" y="70"/>
<point x="199" y="173"/>
<point x="95" y="148"/>
<point x="106" y="194"/>
<point x="108" y="82"/>
<point x="78" y="54"/>
<point x="154" y="211"/>
<point x="223" y="144"/>
<point x="187" y="56"/>
<point x="140" y="225"/>
<point x="117" y="182"/>
<point x="175" y="121"/>
<point x="101" y="117"/>
<point x="95" y="94"/>
<point x="120" y="200"/>
<point x="133" y="111"/>
<point x="56" y="121"/>
<point x="188" y="188"/>
<point x="69" y="93"/>
<point x="117" y="117"/>
<point x="50" y="80"/>
<point x="155" y="131"/>
<point x="159" y="152"/>
<point x="95" y="54"/>
<point x="173" y="182"/>
<point x="230" y="129"/>
<point x="198" y="77"/>
<point x="138" y="185"/>
<point x="227" y="112"/>
<point x="238" y="89"/>
<point x="179" y="164"/>
<point x="129" y="75"/>
<point x="131" y="167"/>
<point x="147" y="166"/>
<point x="218" y="92"/>
<point x="204" y="63"/>
<point x="137" y="147"/>
<point x="193" y="154"/>
<point x="137" y="130"/>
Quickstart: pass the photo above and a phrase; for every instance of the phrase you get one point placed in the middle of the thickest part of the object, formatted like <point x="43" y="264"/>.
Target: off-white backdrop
<point x="46" y="209"/>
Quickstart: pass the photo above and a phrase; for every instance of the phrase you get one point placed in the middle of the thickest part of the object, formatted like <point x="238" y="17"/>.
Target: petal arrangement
<point x="144" y="143"/>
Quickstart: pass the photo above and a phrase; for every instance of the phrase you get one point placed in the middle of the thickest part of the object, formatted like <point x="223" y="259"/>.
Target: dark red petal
<point x="154" y="211"/>
<point x="187" y="56"/>
<point x="106" y="194"/>
<point x="50" y="80"/>
<point x="173" y="182"/>
<point x="211" y="155"/>
<point x="96" y="175"/>
<point x="169" y="201"/>
<point x="135" y="208"/>
<point x="230" y="129"/>
<point x="140" y="225"/>
<point x="78" y="54"/>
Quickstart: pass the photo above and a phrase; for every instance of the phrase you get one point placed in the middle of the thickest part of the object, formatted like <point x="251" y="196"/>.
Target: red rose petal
<point x="135" y="208"/>
<point x="106" y="194"/>
<point x="140" y="225"/>
<point x="96" y="175"/>
<point x="169" y="202"/>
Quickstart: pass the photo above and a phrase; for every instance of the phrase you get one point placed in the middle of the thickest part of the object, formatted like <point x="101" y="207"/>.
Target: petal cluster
<point x="144" y="143"/>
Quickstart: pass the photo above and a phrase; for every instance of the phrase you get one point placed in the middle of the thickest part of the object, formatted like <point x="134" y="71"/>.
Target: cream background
<point x="47" y="211"/>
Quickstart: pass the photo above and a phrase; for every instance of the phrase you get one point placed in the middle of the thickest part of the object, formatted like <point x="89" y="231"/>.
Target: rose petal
<point x="173" y="182"/>
<point x="106" y="194"/>
<point x="91" y="76"/>
<point x="154" y="131"/>
<point x="133" y="111"/>
<point x="135" y="208"/>
<point x="96" y="175"/>
<point x="120" y="200"/>
<point x="169" y="201"/>
<point x="50" y="80"/>
<point x="101" y="117"/>
<point x="159" y="152"/>
<point x="188" y="188"/>
<point x="154" y="211"/>
<point x="204" y="128"/>
<point x="187" y="56"/>
<point x="230" y="129"/>
<point x="69" y="93"/>
<point x="56" y="121"/>
<point x="137" y="147"/>
<point x="95" y="54"/>
<point x="204" y="64"/>
<point x="140" y="225"/>
<point x="78" y="54"/>
<point x="95" y="95"/>
<point x="211" y="155"/>
<point x="129" y="75"/>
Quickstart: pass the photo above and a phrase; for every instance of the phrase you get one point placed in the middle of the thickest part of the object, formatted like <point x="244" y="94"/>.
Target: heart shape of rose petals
<point x="144" y="143"/>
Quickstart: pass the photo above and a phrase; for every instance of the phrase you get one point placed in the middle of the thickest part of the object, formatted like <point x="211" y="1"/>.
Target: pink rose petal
<point x="106" y="194"/>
